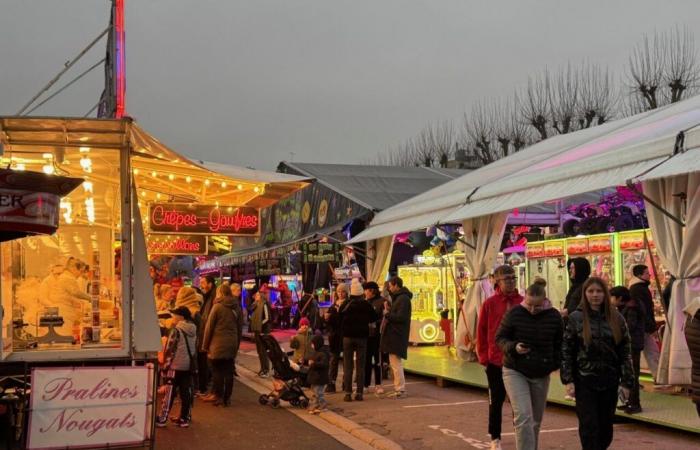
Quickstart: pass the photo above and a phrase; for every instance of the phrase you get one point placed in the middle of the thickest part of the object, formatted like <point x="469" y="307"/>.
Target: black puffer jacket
<point x="333" y="324"/>
<point x="639" y="292"/>
<point x="635" y="317"/>
<point x="541" y="332"/>
<point x="575" y="294"/>
<point x="601" y="365"/>
<point x="692" y="337"/>
<point x="397" y="324"/>
<point x="357" y="313"/>
<point x="318" y="371"/>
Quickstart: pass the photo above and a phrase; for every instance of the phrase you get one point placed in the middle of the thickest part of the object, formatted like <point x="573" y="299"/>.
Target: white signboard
<point x="88" y="407"/>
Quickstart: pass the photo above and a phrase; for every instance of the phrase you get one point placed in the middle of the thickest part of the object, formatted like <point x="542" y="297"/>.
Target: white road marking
<point x="444" y="404"/>
<point x="474" y="443"/>
<point x="546" y="431"/>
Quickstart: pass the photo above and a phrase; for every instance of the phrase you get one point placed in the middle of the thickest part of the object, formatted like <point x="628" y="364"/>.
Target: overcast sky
<point x="250" y="82"/>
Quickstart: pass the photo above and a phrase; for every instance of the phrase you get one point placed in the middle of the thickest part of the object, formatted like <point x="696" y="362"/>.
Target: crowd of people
<point x="595" y="342"/>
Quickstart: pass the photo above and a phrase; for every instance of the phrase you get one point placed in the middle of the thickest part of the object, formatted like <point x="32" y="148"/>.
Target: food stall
<point x="436" y="284"/>
<point x="82" y="299"/>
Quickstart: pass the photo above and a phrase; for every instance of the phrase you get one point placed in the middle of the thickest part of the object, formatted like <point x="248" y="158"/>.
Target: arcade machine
<point x="547" y="259"/>
<point x="599" y="250"/>
<point x="432" y="280"/>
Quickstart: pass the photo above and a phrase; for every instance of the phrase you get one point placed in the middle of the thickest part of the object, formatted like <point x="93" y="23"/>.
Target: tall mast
<point x="113" y="99"/>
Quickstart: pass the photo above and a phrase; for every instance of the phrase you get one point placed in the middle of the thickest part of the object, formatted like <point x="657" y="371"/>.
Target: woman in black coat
<point x="335" y="337"/>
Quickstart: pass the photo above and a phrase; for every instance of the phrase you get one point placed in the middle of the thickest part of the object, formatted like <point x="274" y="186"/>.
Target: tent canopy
<point x="630" y="149"/>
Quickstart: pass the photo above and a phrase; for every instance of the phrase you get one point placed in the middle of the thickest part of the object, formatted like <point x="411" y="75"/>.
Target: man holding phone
<point x="490" y="355"/>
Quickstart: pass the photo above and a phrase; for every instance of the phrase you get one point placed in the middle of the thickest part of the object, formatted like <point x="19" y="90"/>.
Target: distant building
<point x="464" y="159"/>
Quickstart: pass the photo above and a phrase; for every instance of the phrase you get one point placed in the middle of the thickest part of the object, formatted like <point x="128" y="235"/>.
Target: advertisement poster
<point x="88" y="407"/>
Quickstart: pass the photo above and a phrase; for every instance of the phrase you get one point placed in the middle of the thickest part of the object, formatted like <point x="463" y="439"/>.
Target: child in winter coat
<point x="318" y="375"/>
<point x="301" y="343"/>
<point x="179" y="364"/>
<point x="634" y="315"/>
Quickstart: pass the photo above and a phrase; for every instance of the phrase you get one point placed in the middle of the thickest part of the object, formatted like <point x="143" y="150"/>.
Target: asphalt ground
<point x="456" y="417"/>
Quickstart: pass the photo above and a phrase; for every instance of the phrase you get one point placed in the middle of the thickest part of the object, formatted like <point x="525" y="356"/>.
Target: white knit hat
<point x="356" y="287"/>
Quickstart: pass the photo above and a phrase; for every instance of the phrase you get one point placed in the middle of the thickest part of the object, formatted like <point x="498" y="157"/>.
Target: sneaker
<point x="378" y="390"/>
<point x="182" y="423"/>
<point x="396" y="395"/>
<point x="161" y="423"/>
<point x="496" y="444"/>
<point x="312" y="410"/>
<point x="347" y="398"/>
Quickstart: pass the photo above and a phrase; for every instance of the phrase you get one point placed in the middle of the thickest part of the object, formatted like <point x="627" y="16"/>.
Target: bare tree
<point x="646" y="70"/>
<point x="563" y="99"/>
<point x="478" y="132"/>
<point x="681" y="71"/>
<point x="598" y="96"/>
<point x="534" y="104"/>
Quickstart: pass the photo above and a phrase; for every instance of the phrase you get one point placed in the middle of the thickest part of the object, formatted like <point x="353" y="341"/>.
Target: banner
<point x="203" y="219"/>
<point x="270" y="266"/>
<point x="174" y="244"/>
<point x="88" y="407"/>
<point x="321" y="252"/>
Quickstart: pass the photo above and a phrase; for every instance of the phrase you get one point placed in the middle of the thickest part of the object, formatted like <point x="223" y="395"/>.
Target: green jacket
<point x="301" y="343"/>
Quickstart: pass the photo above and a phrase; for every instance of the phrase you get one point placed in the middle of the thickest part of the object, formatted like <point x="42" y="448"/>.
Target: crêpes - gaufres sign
<point x="183" y="218"/>
<point x="88" y="407"/>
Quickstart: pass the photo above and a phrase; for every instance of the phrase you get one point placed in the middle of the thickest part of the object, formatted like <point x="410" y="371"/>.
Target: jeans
<point x="634" y="392"/>
<point x="203" y="371"/>
<point x="262" y="355"/>
<point x="595" y="410"/>
<point x="373" y="362"/>
<point x="651" y="354"/>
<point x="354" y="354"/>
<point x="222" y="378"/>
<point x="333" y="369"/>
<point x="528" y="398"/>
<point x="319" y="400"/>
<point x="397" y="372"/>
<point x="497" y="395"/>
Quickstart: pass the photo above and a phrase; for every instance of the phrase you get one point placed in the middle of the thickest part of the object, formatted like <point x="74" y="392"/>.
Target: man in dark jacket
<point x="634" y="317"/>
<point x="395" y="328"/>
<point x="373" y="363"/>
<point x="208" y="286"/>
<point x="356" y="315"/>
<point x="335" y="336"/>
<point x="579" y="271"/>
<point x="640" y="293"/>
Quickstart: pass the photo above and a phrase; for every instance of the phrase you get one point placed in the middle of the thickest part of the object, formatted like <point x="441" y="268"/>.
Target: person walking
<point x="579" y="271"/>
<point x="208" y="286"/>
<point x="692" y="338"/>
<point x="178" y="360"/>
<point x="221" y="341"/>
<point x="596" y="360"/>
<point x="260" y="326"/>
<point x="356" y="316"/>
<point x="395" y="328"/>
<point x="373" y="363"/>
<point x="490" y="356"/>
<point x="318" y="375"/>
<point x="335" y="336"/>
<point x="236" y="293"/>
<point x="530" y="337"/>
<point x="634" y="317"/>
<point x="640" y="293"/>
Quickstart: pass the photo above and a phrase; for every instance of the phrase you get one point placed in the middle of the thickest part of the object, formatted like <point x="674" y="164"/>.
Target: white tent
<point x="638" y="148"/>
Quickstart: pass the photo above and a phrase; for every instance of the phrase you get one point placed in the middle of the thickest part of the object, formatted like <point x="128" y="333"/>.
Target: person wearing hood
<point x="640" y="293"/>
<point x="394" y="329"/>
<point x="356" y="314"/>
<point x="178" y="363"/>
<point x="530" y="337"/>
<point x="490" y="356"/>
<point x="208" y="286"/>
<point x="221" y="341"/>
<point x="579" y="271"/>
<point x="692" y="338"/>
<point x="188" y="298"/>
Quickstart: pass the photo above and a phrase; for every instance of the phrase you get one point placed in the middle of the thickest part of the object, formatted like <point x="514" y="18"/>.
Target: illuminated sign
<point x="174" y="244"/>
<point x="578" y="246"/>
<point x="268" y="267"/>
<point x="28" y="211"/>
<point x="601" y="244"/>
<point x="632" y="241"/>
<point x="203" y="219"/>
<point x="535" y="250"/>
<point x="554" y="248"/>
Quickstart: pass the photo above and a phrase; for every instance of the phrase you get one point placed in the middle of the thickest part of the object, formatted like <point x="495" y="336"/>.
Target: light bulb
<point x="207" y="182"/>
<point x="256" y="189"/>
<point x="136" y="171"/>
<point x="188" y="179"/>
<point x="48" y="169"/>
<point x="158" y="195"/>
<point x="86" y="164"/>
<point x="20" y="166"/>
<point x="47" y="156"/>
<point x="84" y="149"/>
<point x="143" y="193"/>
<point x="154" y="174"/>
<point x="240" y="187"/>
<point x="87" y="186"/>
<point x="223" y="184"/>
<point x="230" y="209"/>
<point x="171" y="177"/>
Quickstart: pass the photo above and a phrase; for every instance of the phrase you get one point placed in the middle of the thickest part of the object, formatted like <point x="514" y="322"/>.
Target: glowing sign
<point x="204" y="219"/>
<point x="172" y="244"/>
<point x="535" y="250"/>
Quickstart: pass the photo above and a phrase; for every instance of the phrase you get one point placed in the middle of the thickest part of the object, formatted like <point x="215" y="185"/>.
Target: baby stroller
<point x="287" y="382"/>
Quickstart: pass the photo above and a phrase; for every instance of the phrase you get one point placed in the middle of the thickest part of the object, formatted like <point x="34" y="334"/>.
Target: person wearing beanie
<point x="335" y="338"/>
<point x="188" y="298"/>
<point x="356" y="315"/>
<point x="373" y="362"/>
<point x="301" y="343"/>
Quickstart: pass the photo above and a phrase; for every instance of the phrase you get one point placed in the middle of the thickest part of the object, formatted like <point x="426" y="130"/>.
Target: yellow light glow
<point x="217" y="203"/>
<point x="47" y="156"/>
<point x="223" y="184"/>
<point x="171" y="177"/>
<point x="86" y="164"/>
<point x="154" y="174"/>
<point x="207" y="182"/>
<point x="87" y="186"/>
<point x="84" y="139"/>
<point x="240" y="187"/>
<point x="158" y="195"/>
<point x="20" y="166"/>
<point x="143" y="193"/>
<point x="188" y="179"/>
<point x="136" y="171"/>
<point x="256" y="189"/>
<point x="84" y="149"/>
<point x="48" y="169"/>
<point x="230" y="209"/>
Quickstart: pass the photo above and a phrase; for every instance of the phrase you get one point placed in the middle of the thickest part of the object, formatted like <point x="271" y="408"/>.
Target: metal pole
<point x="68" y="65"/>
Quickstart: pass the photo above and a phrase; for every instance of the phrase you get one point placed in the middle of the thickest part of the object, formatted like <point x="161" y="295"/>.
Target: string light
<point x="223" y="184"/>
<point x="230" y="209"/>
<point x="217" y="203"/>
<point x="20" y="166"/>
<point x="171" y="177"/>
<point x="90" y="209"/>
<point x="87" y="186"/>
<point x="68" y="207"/>
<point x="207" y="182"/>
<point x="136" y="171"/>
<point x="188" y="179"/>
<point x="256" y="189"/>
<point x="84" y="149"/>
<point x="48" y="169"/>
<point x="158" y="195"/>
<point x="143" y="193"/>
<point x="154" y="174"/>
<point x="86" y="164"/>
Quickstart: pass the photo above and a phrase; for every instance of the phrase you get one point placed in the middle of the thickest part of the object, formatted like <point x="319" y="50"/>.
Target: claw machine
<point x="600" y="251"/>
<point x="433" y="282"/>
<point x="547" y="259"/>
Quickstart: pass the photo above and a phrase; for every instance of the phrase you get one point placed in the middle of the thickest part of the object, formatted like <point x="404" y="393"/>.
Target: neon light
<point x="120" y="48"/>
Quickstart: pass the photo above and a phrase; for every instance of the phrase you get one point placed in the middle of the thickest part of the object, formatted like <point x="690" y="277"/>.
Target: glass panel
<point x="65" y="289"/>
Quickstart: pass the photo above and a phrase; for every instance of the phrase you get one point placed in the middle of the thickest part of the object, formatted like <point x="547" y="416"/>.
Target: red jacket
<point x="490" y="316"/>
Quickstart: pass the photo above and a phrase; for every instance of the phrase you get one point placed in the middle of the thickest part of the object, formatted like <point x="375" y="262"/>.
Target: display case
<point x="436" y="283"/>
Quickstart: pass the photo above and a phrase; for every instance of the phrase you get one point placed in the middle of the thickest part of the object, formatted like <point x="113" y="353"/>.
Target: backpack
<point x="194" y="369"/>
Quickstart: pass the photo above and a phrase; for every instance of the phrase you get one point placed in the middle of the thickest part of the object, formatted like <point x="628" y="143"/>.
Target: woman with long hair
<point x="596" y="360"/>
